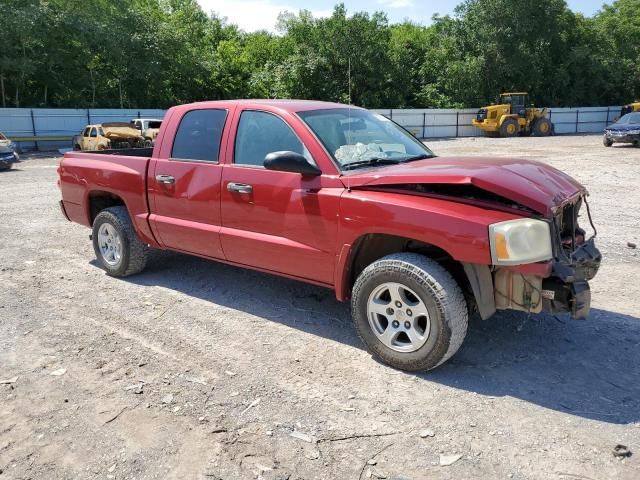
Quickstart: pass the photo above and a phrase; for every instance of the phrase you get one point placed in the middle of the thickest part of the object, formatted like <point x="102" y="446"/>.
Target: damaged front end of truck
<point x="551" y="270"/>
<point x="576" y="260"/>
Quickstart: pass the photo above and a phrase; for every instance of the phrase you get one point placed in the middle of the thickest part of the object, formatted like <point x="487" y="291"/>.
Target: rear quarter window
<point x="198" y="136"/>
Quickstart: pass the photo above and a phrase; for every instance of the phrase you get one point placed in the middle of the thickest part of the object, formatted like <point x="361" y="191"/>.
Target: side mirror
<point x="290" y="162"/>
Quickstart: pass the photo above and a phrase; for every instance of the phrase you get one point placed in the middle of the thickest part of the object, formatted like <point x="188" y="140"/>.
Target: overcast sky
<point x="253" y="15"/>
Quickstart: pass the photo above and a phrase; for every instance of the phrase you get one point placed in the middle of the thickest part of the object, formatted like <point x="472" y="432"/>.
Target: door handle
<point x="239" y="187"/>
<point x="166" y="179"/>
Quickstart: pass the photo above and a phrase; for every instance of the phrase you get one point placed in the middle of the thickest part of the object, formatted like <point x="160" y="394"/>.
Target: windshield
<point x="630" y="118"/>
<point x="354" y="135"/>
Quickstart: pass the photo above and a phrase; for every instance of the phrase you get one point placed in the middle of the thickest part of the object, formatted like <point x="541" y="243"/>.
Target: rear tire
<point x="542" y="127"/>
<point x="76" y="148"/>
<point x="509" y="128"/>
<point x="117" y="247"/>
<point x="409" y="312"/>
<point x="607" y="142"/>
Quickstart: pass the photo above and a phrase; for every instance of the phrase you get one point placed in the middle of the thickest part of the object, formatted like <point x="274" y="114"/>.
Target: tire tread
<point x="435" y="278"/>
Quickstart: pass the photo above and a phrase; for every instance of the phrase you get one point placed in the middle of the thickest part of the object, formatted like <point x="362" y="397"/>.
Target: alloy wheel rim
<point x="398" y="317"/>
<point x="110" y="244"/>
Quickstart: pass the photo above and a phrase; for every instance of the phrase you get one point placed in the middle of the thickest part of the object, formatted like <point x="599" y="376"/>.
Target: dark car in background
<point x="625" y="130"/>
<point x="7" y="157"/>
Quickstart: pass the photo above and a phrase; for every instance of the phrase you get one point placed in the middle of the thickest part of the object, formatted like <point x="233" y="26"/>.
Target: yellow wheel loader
<point x="512" y="115"/>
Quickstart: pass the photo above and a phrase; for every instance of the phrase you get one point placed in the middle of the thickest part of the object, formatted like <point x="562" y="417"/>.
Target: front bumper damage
<point x="560" y="285"/>
<point x="567" y="289"/>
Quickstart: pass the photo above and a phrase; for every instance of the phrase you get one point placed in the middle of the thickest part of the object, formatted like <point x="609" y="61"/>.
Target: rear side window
<point x="260" y="133"/>
<point x="198" y="136"/>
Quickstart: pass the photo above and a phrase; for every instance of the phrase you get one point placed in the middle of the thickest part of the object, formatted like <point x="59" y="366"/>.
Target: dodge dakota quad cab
<point x="343" y="198"/>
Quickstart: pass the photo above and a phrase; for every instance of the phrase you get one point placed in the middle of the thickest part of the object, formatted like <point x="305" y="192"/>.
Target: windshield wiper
<point x="369" y="162"/>
<point x="422" y="156"/>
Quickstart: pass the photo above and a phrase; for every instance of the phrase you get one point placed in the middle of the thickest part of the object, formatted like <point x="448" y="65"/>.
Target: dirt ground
<point x="199" y="370"/>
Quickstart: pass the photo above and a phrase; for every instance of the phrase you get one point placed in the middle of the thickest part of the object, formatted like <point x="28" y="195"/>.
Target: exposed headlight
<point x="516" y="242"/>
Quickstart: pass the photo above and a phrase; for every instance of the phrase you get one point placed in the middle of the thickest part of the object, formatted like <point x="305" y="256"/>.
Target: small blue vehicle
<point x="7" y="157"/>
<point x="625" y="130"/>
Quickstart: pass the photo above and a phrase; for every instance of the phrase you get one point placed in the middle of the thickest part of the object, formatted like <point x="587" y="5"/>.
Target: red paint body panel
<point x="185" y="215"/>
<point x="532" y="184"/>
<point x="302" y="227"/>
<point x="83" y="174"/>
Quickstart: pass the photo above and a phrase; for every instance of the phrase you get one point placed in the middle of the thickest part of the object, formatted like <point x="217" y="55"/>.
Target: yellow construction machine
<point x="512" y="115"/>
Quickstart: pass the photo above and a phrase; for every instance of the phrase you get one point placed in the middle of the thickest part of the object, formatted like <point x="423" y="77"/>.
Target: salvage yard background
<point x="424" y="123"/>
<point x="195" y="369"/>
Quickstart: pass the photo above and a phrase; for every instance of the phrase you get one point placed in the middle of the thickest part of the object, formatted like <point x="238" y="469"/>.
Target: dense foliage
<point x="157" y="53"/>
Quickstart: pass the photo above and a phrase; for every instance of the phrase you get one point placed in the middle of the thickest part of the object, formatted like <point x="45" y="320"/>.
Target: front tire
<point x="409" y="312"/>
<point x="509" y="128"/>
<point x="117" y="247"/>
<point x="542" y="127"/>
<point x="606" y="141"/>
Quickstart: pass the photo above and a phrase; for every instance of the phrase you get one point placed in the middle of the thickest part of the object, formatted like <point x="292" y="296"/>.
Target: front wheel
<point x="509" y="128"/>
<point x="118" y="248"/>
<point x="542" y="127"/>
<point x="409" y="312"/>
<point x="606" y="141"/>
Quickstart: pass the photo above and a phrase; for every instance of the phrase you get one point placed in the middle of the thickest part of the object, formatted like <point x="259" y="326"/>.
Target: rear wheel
<point x="542" y="127"/>
<point x="117" y="247"/>
<point x="76" y="148"/>
<point x="509" y="128"/>
<point x="606" y="141"/>
<point x="409" y="311"/>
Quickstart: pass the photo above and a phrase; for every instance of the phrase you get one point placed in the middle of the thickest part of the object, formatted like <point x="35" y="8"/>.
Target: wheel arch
<point x="98" y="200"/>
<point x="474" y="280"/>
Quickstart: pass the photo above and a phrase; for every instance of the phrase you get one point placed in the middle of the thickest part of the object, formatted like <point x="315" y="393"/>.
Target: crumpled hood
<point x="535" y="185"/>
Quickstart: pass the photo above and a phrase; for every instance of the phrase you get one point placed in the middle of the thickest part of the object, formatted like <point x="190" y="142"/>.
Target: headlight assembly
<point x="516" y="242"/>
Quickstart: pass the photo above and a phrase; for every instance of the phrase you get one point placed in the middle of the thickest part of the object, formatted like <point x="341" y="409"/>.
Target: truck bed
<point x="117" y="172"/>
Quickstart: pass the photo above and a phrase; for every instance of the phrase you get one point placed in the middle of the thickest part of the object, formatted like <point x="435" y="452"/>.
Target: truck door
<point x="277" y="221"/>
<point x="184" y="184"/>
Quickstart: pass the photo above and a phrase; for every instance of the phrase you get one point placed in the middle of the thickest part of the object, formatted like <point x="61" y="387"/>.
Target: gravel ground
<point x="199" y="370"/>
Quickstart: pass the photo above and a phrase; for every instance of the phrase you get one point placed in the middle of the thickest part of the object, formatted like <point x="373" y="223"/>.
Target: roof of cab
<point x="287" y="105"/>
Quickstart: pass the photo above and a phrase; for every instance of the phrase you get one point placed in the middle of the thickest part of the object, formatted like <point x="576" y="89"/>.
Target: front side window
<point x="261" y="133"/>
<point x="85" y="133"/>
<point x="198" y="136"/>
<point x="356" y="137"/>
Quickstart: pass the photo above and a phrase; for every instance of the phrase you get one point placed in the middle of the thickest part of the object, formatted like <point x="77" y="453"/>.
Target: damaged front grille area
<point x="576" y="261"/>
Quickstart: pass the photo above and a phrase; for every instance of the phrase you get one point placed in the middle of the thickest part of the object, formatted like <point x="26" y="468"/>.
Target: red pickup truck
<point x="342" y="197"/>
